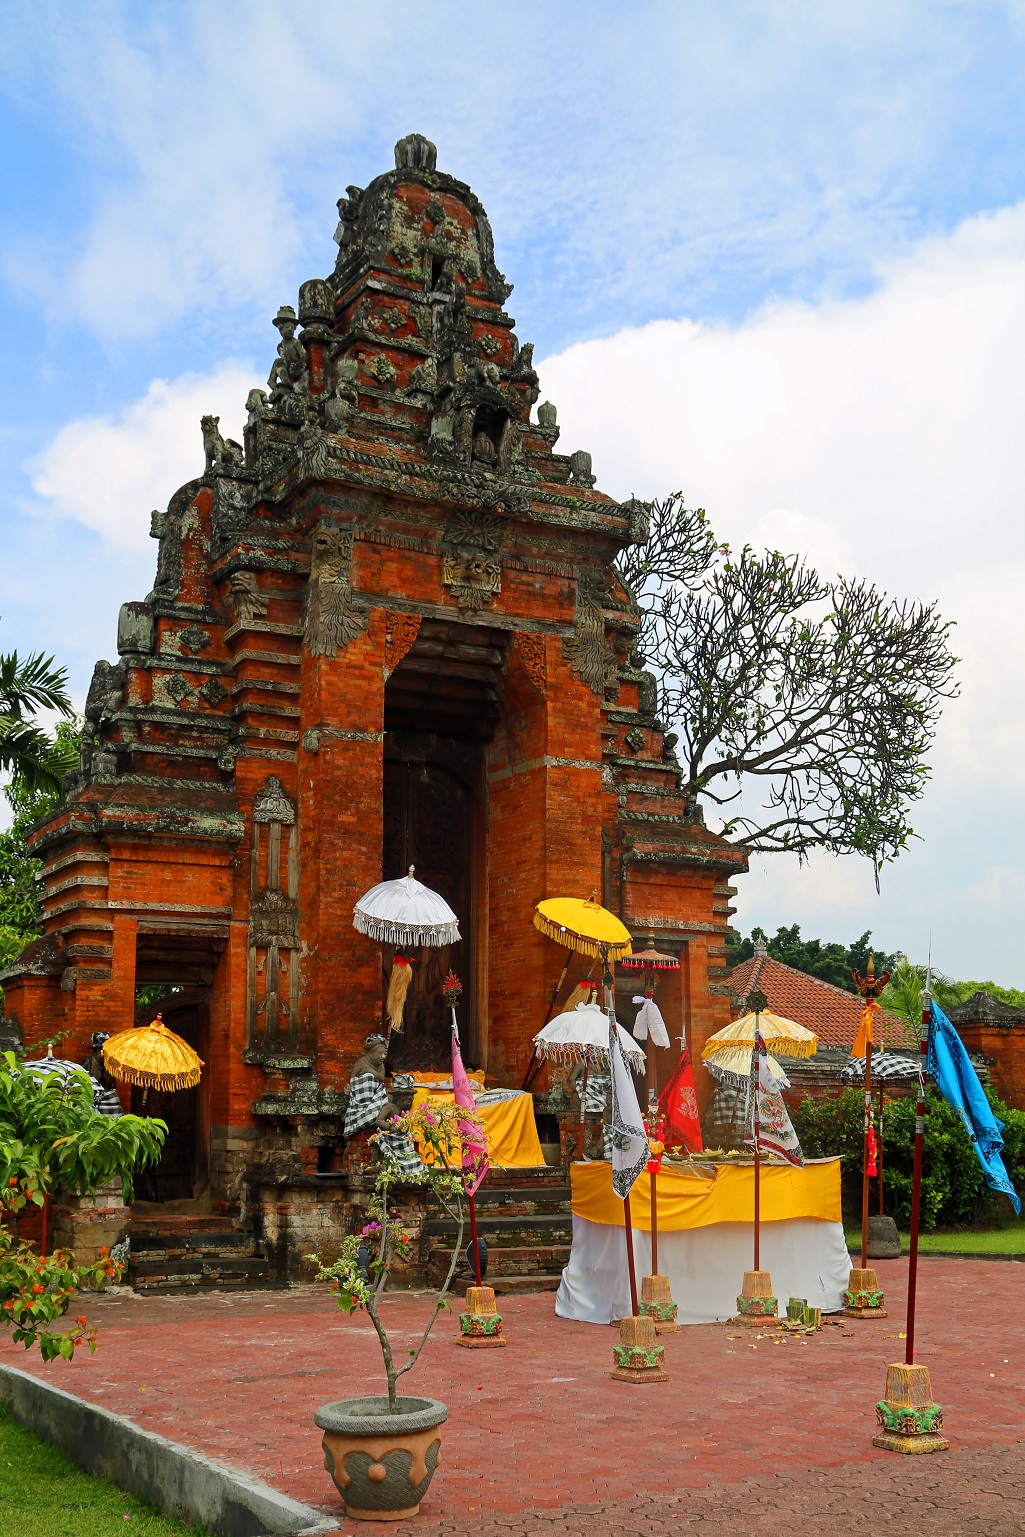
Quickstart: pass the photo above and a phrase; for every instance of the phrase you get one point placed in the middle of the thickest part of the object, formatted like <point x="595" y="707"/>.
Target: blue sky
<point x="773" y="253"/>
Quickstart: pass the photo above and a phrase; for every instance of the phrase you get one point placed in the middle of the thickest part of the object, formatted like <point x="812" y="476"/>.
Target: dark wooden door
<point x="429" y="823"/>
<point x="174" y="1177"/>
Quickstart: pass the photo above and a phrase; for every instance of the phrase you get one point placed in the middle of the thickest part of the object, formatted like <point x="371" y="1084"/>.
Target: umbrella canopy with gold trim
<point x="734" y="1066"/>
<point x="783" y="1037"/>
<point x="153" y="1057"/>
<point x="583" y="926"/>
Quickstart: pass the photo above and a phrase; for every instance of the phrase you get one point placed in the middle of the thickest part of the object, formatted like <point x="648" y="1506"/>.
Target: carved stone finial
<point x="546" y="414"/>
<point x="415" y="153"/>
<point x="761" y="948"/>
<point x="580" y="468"/>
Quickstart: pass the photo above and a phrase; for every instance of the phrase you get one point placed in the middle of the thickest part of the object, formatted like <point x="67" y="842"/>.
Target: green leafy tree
<point x="28" y="754"/>
<point x="19" y="872"/>
<point x="954" y="1192"/>
<point x="804" y="708"/>
<point x="51" y="1138"/>
<point x="829" y="961"/>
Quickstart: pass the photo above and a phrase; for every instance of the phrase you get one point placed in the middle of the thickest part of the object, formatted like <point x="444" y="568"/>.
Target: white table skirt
<point x="806" y="1257"/>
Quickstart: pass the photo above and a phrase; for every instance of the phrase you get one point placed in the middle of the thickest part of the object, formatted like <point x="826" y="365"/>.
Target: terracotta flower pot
<point x="381" y="1463"/>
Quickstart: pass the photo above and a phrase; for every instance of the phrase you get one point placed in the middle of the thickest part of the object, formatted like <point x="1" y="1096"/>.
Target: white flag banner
<point x="775" y="1130"/>
<point x="649" y="1021"/>
<point x="629" y="1139"/>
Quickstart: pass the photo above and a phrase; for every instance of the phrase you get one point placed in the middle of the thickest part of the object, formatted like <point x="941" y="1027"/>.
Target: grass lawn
<point x="44" y="1494"/>
<point x="1009" y="1238"/>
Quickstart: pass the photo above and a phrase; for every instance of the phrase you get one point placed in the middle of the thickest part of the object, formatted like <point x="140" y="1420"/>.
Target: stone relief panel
<point x="331" y="619"/>
<point x="272" y="959"/>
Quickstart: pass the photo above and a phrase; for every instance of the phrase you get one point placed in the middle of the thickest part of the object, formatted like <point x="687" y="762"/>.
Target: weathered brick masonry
<point x="386" y="630"/>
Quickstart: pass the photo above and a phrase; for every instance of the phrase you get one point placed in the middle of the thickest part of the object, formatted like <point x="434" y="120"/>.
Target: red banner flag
<point x="678" y="1107"/>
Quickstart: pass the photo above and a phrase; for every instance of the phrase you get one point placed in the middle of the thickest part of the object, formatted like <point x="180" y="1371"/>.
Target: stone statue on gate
<point x="370" y="1108"/>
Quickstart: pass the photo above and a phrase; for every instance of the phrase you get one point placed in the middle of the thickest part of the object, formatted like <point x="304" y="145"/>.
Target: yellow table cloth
<point x="509" y="1129"/>
<point x="688" y="1199"/>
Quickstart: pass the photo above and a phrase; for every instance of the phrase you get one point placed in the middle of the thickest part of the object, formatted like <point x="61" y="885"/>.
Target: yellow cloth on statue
<point x="509" y="1129"/>
<point x="475" y="1075"/>
<point x="689" y="1200"/>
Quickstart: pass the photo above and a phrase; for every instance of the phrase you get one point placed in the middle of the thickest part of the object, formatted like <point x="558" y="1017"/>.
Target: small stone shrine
<point x="386" y="629"/>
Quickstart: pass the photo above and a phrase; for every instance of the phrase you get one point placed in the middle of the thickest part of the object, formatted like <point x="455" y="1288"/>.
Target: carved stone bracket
<point x="272" y="956"/>
<point x="400" y="632"/>
<point x="273" y="805"/>
<point x="331" y="619"/>
<point x="589" y="651"/>
<point x="470" y="564"/>
<point x="532" y="653"/>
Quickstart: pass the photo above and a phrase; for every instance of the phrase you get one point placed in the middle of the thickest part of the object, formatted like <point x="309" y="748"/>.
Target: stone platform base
<point x="756" y="1304"/>
<point x="909" y="1420"/>
<point x="657" y="1304"/>
<point x="481" y="1324"/>
<point x="639" y="1357"/>
<point x="864" y="1297"/>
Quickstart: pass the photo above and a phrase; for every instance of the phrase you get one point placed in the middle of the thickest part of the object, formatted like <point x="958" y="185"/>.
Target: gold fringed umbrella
<point x="153" y="1057"/>
<point x="782" y="1037"/>
<point x="585" y="928"/>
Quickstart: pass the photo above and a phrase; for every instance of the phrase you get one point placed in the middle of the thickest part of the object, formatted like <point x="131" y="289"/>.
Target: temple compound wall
<point x="385" y="630"/>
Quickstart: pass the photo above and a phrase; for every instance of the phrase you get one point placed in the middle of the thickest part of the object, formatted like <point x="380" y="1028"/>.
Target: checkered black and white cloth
<point x="367" y="1098"/>
<point x="596" y="1095"/>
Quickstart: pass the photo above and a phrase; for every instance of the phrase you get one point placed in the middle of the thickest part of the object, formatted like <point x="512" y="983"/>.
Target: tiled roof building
<point x="831" y="1012"/>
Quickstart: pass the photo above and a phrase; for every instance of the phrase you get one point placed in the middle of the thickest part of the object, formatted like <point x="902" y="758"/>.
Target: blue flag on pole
<point x="950" y="1067"/>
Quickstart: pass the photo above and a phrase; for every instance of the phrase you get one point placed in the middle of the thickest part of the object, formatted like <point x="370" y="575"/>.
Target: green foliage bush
<point x="954" y="1192"/>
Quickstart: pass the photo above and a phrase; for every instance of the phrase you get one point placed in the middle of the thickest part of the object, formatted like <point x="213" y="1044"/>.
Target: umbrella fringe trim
<point x="167" y="1083"/>
<point x="595" y="1056"/>
<point x="577" y="942"/>
<point x="388" y="933"/>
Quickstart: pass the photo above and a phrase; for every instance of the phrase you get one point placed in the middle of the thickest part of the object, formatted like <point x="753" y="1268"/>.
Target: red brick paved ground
<point x="541" y="1439"/>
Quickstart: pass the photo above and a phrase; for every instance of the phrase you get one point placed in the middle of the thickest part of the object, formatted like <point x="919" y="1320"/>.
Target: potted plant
<point x="381" y="1450"/>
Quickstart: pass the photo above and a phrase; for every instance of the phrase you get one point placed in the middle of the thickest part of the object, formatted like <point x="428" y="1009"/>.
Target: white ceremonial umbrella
<point x="405" y="912"/>
<point x="582" y="1035"/>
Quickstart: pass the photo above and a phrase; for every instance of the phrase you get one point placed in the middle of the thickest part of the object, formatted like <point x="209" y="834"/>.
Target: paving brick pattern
<point x="748" y="1432"/>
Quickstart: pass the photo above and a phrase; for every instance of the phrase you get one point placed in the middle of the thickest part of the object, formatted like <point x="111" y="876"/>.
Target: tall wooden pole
<point x="534" y="1065"/>
<point x="916" y="1182"/>
<point x="864" y="1164"/>
<point x="758" y="1151"/>
<point x="628" y="1224"/>
<point x="879" y="1154"/>
<point x="653" y="1180"/>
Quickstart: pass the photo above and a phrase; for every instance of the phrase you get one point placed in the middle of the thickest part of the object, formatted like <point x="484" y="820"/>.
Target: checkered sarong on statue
<point x="367" y="1098"/>
<point x="596" y="1095"/>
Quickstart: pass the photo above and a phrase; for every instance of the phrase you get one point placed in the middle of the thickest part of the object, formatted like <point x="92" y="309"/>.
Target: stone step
<point x="519" y="1285"/>
<point x="532" y="1260"/>
<point x="187" y="1274"/>
<point x="175" y="1245"/>
<point x="511" y="1229"/>
<point x="179" y="1223"/>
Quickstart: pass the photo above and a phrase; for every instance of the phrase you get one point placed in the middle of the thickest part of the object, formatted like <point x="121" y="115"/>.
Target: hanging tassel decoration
<point x="649" y="1021"/>
<point x="398" y="987"/>
<point x="584" y="992"/>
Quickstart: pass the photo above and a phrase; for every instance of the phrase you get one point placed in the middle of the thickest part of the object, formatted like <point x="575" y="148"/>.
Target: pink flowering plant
<point x="357" y="1282"/>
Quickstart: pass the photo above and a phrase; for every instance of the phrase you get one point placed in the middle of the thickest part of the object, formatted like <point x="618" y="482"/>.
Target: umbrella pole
<point x="879" y="1141"/>
<point x="758" y="1184"/>
<point x="864" y="1176"/>
<point x="653" y="1178"/>
<point x="42" y="1236"/>
<point x="628" y="1224"/>
<point x="534" y="1065"/>
<point x="473" y="1240"/>
<point x="583" y="1095"/>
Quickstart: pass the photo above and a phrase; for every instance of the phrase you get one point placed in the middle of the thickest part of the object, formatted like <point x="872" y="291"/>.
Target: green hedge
<point x="954" y="1192"/>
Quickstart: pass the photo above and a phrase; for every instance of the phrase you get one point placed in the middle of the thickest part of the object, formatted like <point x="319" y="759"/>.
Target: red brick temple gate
<point x="387" y="630"/>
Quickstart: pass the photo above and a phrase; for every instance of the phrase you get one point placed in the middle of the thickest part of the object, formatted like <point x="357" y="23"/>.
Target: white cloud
<point x="108" y="472"/>
<point x="882" y="436"/>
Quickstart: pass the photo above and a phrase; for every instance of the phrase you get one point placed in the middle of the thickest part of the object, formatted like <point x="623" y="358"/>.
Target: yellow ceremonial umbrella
<point x="734" y="1066"/>
<point x="153" y="1057"/>
<point x="782" y="1037"/>
<point x="585" y="928"/>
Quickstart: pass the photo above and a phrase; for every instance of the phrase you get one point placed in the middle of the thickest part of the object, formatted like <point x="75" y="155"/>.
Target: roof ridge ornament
<point x="416" y="153"/>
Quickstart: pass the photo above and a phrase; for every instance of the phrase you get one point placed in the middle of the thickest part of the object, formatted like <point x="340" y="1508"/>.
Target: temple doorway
<point x="182" y="1172"/>
<point x="441" y="705"/>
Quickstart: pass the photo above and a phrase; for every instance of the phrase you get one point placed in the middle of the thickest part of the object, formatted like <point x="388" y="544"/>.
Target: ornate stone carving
<point x="103" y="699"/>
<point x="213" y="692"/>
<point x="634" y="739"/>
<point x="194" y="638"/>
<point x="469" y="564"/>
<point x="415" y="153"/>
<point x="223" y="455"/>
<point x="179" y="688"/>
<point x="331" y="619"/>
<point x="400" y="632"/>
<point x="245" y="597"/>
<point x="289" y="373"/>
<point x="532" y="651"/>
<point x="580" y="469"/>
<point x="424" y="378"/>
<point x="272" y="804"/>
<point x="275" y="921"/>
<point x="638" y="518"/>
<point x="316" y="303"/>
<point x="588" y="651"/>
<point x="547" y="416"/>
<point x="338" y="405"/>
